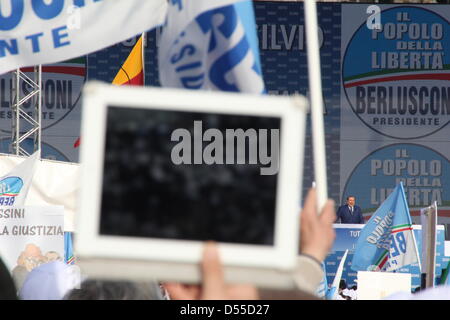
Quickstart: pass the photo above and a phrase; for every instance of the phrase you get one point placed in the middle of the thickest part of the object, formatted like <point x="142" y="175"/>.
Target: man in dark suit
<point x="349" y="213"/>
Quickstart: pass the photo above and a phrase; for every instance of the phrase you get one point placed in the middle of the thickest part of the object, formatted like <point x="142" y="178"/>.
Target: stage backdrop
<point x="386" y="94"/>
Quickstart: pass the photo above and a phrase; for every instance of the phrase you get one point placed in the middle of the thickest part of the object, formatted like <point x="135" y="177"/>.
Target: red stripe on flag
<point x="383" y="261"/>
<point x="427" y="76"/>
<point x="400" y="230"/>
<point x="76" y="71"/>
<point x="136" y="81"/>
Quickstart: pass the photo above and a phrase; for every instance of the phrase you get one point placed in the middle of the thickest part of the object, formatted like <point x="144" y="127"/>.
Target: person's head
<point x="31" y="263"/>
<point x="351" y="200"/>
<point x="342" y="284"/>
<point x="32" y="250"/>
<point x="115" y="290"/>
<point x="49" y="281"/>
<point x="53" y="256"/>
<point x="32" y="257"/>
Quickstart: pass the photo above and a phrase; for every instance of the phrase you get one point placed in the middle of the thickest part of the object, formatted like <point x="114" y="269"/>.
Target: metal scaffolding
<point x="26" y="124"/>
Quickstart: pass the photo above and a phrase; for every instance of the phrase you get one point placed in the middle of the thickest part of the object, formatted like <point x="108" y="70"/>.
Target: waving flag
<point x="68" y="248"/>
<point x="210" y="45"/>
<point x="130" y="73"/>
<point x="323" y="285"/>
<point x="15" y="185"/>
<point x="332" y="293"/>
<point x="387" y="241"/>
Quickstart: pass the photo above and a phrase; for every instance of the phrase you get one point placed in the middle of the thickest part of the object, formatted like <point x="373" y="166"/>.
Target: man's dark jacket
<point x="345" y="216"/>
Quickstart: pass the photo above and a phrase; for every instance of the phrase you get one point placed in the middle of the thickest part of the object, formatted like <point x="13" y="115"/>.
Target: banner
<point x="396" y="78"/>
<point x="423" y="169"/>
<point x="387" y="243"/>
<point x="35" y="32"/>
<point x="29" y="237"/>
<point x="203" y="47"/>
<point x="395" y="105"/>
<point x="60" y="109"/>
<point x="14" y="186"/>
<point x="54" y="184"/>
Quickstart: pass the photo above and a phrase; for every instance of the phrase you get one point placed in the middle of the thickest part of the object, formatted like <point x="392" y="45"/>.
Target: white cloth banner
<point x="54" y="183"/>
<point x="14" y="186"/>
<point x="29" y="237"/>
<point x="41" y="32"/>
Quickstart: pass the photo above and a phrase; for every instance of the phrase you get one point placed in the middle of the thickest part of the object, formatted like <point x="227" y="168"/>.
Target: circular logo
<point x="397" y="78"/>
<point x="423" y="172"/>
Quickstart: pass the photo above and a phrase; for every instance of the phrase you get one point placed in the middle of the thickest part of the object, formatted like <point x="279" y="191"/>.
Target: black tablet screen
<point x="166" y="175"/>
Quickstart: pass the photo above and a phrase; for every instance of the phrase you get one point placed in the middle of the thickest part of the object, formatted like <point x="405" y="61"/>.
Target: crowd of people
<point x="54" y="281"/>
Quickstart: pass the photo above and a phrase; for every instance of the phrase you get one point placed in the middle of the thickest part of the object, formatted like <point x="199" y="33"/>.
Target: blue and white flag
<point x="322" y="289"/>
<point x="210" y="45"/>
<point x="333" y="292"/>
<point x="15" y="185"/>
<point x="68" y="248"/>
<point x="387" y="242"/>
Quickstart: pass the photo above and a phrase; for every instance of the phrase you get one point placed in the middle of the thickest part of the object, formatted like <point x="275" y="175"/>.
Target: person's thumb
<point x="213" y="281"/>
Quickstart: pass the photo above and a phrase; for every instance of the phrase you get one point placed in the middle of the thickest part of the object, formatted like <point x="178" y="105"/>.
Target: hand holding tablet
<point x="164" y="170"/>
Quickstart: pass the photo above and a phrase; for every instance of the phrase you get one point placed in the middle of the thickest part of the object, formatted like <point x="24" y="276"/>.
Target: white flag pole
<point x="316" y="101"/>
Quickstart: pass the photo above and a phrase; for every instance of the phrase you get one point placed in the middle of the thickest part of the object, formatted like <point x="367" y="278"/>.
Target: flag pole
<point x="144" y="40"/>
<point x="413" y="236"/>
<point x="431" y="245"/>
<point x="316" y="102"/>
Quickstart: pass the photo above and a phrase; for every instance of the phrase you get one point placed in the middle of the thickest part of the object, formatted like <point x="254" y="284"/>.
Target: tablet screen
<point x="190" y="176"/>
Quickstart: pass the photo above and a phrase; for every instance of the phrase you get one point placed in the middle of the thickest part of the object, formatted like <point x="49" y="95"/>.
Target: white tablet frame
<point x="162" y="253"/>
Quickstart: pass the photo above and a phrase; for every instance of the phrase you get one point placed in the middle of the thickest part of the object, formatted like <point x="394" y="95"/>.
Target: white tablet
<point x="164" y="170"/>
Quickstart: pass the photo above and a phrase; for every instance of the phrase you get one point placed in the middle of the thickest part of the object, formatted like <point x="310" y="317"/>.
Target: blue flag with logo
<point x="68" y="248"/>
<point x="210" y="45"/>
<point x="15" y="185"/>
<point x="322" y="289"/>
<point x="387" y="243"/>
<point x="332" y="293"/>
